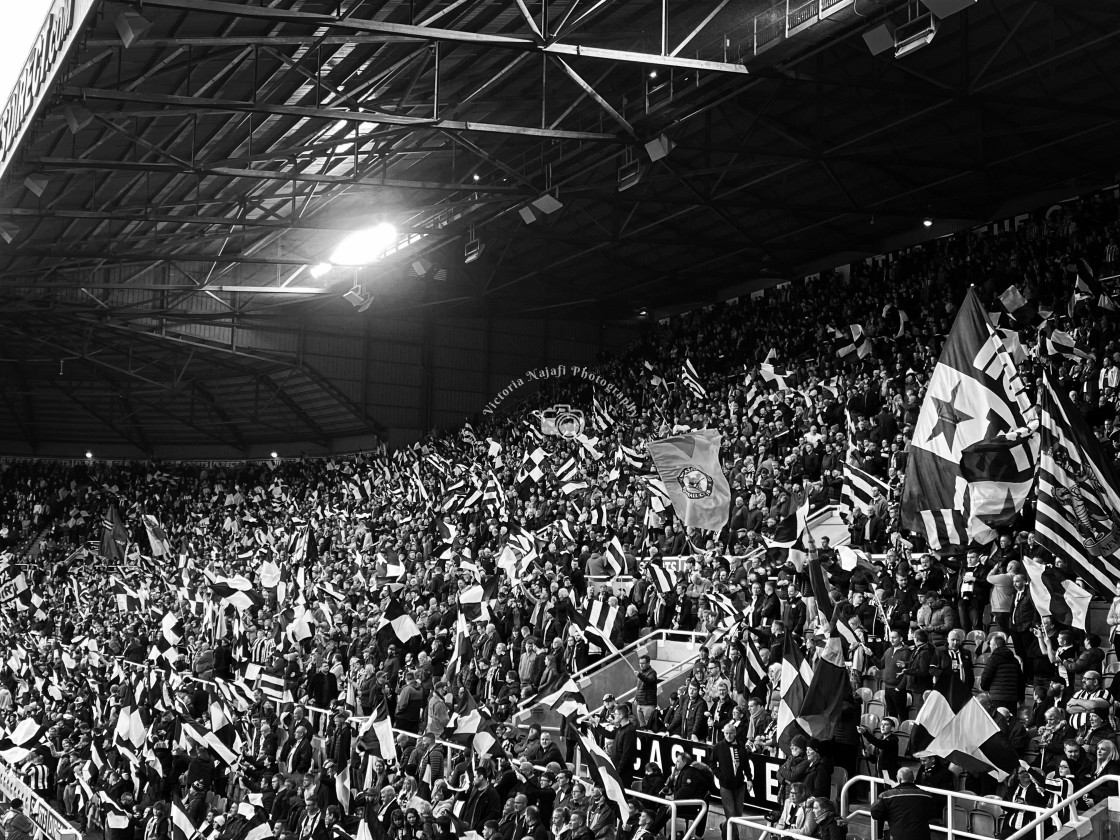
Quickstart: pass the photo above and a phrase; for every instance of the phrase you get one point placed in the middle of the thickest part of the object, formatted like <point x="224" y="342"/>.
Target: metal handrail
<point x="587" y="671"/>
<point x="1072" y="799"/>
<point x="949" y="795"/>
<point x="765" y="828"/>
<point x="673" y="804"/>
<point x="49" y="824"/>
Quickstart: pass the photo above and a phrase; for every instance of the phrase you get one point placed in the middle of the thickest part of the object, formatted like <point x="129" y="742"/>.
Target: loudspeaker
<point x="880" y="39"/>
<point x="945" y="8"/>
<point x="131" y="26"/>
<point x="659" y="147"/>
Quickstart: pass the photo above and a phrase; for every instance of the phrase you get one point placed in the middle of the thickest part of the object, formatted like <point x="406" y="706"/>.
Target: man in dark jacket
<point x="646" y="697"/>
<point x="1002" y="677"/>
<point x="624" y="748"/>
<point x="907" y="809"/>
<point x="483" y="803"/>
<point x="732" y="773"/>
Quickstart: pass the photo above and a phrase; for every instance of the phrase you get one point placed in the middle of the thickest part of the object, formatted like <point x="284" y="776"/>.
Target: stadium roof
<point x="191" y="161"/>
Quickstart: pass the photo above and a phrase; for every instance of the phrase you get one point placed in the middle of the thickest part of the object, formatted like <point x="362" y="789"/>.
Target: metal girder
<point x="431" y="33"/>
<point x="334" y="114"/>
<point x="272" y="175"/>
<point x="278" y="393"/>
<point x="339" y="226"/>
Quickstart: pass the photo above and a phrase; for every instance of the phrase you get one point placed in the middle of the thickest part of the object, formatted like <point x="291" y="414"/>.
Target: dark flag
<point x="974" y="395"/>
<point x="1077" y="515"/>
<point x="114" y="537"/>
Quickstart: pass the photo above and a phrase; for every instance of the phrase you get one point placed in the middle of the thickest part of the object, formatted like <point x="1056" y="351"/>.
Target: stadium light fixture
<point x="357" y="298"/>
<point x="912" y="36"/>
<point x="365" y="246"/>
<point x="273" y="454"/>
<point x="131" y="27"/>
<point x="473" y="249"/>
<point x="89" y="455"/>
<point x="927" y="222"/>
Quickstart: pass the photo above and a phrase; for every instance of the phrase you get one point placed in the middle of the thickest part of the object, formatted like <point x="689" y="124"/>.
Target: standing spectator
<point x="646" y="697"/>
<point x="1002" y="594"/>
<point x="732" y="772"/>
<point x="624" y="748"/>
<point x="1024" y="618"/>
<point x="907" y="809"/>
<point x="1002" y="677"/>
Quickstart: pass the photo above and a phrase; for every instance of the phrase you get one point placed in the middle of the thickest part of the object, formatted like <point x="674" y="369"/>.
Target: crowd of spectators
<point x="356" y="537"/>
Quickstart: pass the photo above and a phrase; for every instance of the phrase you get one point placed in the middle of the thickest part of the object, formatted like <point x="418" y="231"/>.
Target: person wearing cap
<point x="1096" y="728"/>
<point x="907" y="809"/>
<point x="818" y="775"/>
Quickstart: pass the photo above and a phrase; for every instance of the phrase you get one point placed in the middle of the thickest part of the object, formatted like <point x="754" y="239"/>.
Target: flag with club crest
<point x="974" y="398"/>
<point x="689" y="467"/>
<point x="1077" y="512"/>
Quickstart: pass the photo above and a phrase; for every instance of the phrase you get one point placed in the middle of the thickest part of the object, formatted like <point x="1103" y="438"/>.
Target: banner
<point x="662" y="749"/>
<point x="12" y="588"/>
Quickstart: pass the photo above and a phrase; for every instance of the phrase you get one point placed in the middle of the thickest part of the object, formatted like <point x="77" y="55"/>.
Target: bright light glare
<point x="927" y="222"/>
<point x="319" y="270"/>
<point x="89" y="454"/>
<point x="274" y="455"/>
<point x="365" y="246"/>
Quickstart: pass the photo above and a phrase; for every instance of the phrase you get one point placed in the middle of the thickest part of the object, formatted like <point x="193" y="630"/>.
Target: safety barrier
<point x="673" y="805"/>
<point x="1036" y="826"/>
<point x="49" y="824"/>
<point x="950" y="796"/>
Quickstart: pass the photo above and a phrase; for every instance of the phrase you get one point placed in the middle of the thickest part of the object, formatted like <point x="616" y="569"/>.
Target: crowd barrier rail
<point x="1037" y="825"/>
<point x="952" y="797"/>
<point x="49" y="824"/>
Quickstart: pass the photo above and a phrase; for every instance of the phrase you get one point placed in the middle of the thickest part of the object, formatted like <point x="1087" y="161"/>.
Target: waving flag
<point x="782" y="377"/>
<point x="1077" y="515"/>
<point x="973" y="740"/>
<point x="604" y="774"/>
<point x="691" y="380"/>
<point x="690" y="469"/>
<point x="161" y="546"/>
<point x="397" y="621"/>
<point x="853" y="349"/>
<point x="114" y="537"/>
<point x="974" y="395"/>
<point x="797" y="673"/>
<point x="1064" y="600"/>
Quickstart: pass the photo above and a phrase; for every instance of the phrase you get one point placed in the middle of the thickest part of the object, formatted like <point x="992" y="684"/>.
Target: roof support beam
<point x="430" y="33"/>
<point x="190" y="103"/>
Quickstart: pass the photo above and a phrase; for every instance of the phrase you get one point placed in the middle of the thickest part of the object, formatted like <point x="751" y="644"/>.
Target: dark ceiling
<point x="197" y="175"/>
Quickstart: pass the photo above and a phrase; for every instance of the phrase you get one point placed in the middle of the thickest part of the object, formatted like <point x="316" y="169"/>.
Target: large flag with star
<point x="976" y="409"/>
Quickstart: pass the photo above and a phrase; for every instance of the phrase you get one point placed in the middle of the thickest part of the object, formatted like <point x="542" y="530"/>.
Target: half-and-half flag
<point x="975" y="395"/>
<point x="820" y="710"/>
<point x="472" y="728"/>
<point x="853" y="349"/>
<point x="382" y="729"/>
<point x="1064" y="600"/>
<point x="782" y="377"/>
<point x="973" y="741"/>
<point x="689" y="467"/>
<point x="398" y="622"/>
<point x="475" y="601"/>
<point x="601" y="625"/>
<point x="1077" y="513"/>
<point x="796" y="676"/>
<point x="564" y="696"/>
<point x="182" y="827"/>
<point x="788" y="541"/>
